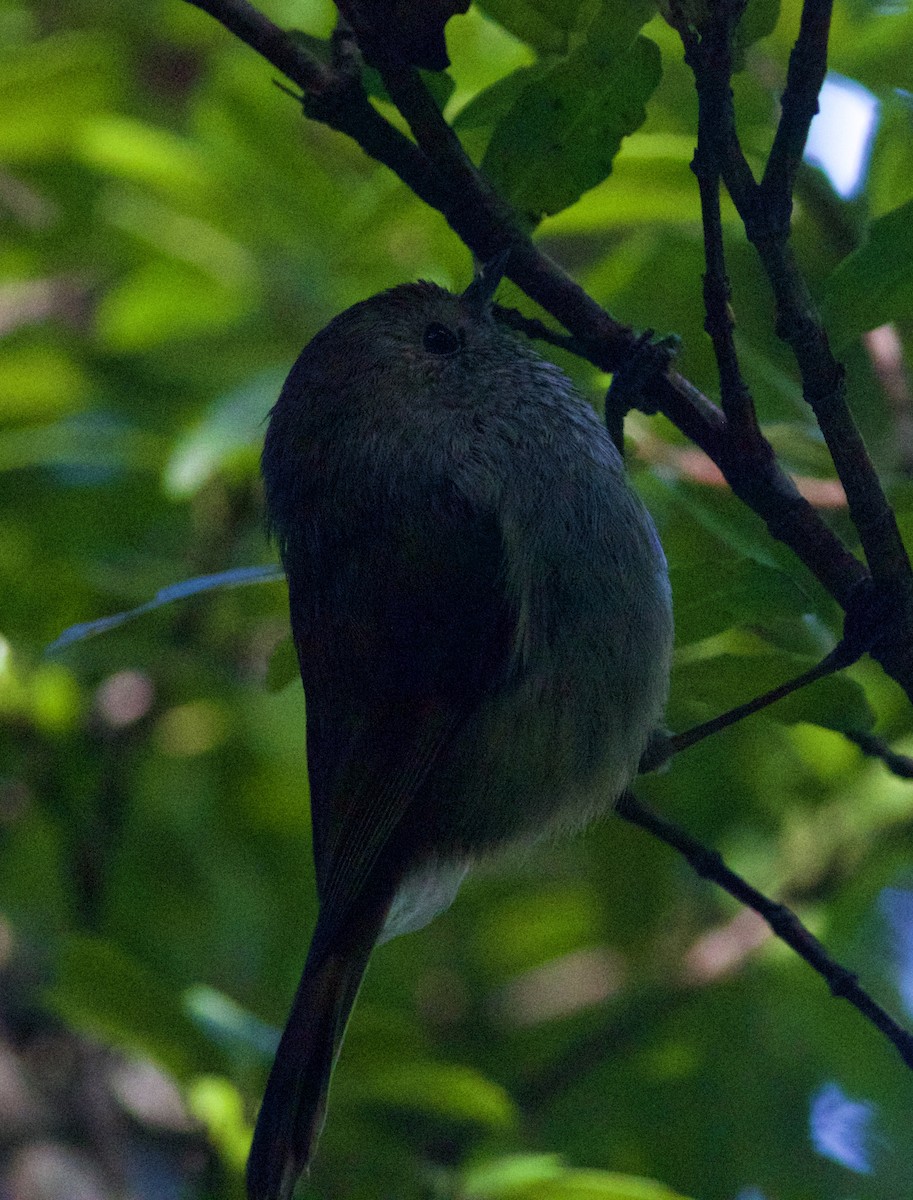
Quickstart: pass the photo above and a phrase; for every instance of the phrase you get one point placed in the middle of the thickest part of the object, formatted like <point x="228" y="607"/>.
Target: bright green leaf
<point x="544" y="1177"/>
<point x="47" y="88"/>
<point x="874" y="284"/>
<point x="890" y="182"/>
<point x="143" y="154"/>
<point x="218" y="1104"/>
<point x="448" y="1092"/>
<point x="38" y="382"/>
<point x="164" y="302"/>
<point x="543" y="24"/>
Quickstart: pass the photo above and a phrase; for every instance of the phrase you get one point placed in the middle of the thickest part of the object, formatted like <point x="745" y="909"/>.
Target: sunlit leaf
<point x="230" y="432"/>
<point x="448" y="1092"/>
<point x="47" y="87"/>
<point x="167" y="302"/>
<point x="544" y="1177"/>
<point x="544" y="24"/>
<point x="39" y="382"/>
<point x="560" y="137"/>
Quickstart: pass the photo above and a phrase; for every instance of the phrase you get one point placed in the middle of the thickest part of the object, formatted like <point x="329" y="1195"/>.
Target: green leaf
<point x="219" y="1106"/>
<point x="706" y="687"/>
<point x="230" y="432"/>
<point x="144" y="154"/>
<point x="38" y="382"/>
<point x="47" y="88"/>
<point x="736" y="592"/>
<point x="651" y="183"/>
<point x="448" y="1092"/>
<point x="488" y="106"/>
<point x="607" y="1185"/>
<point x="543" y="24"/>
<point x="561" y="136"/>
<point x="99" y="989"/>
<point x="164" y="302"/>
<point x="505" y="1175"/>
<point x="544" y="1177"/>
<point x="758" y="21"/>
<point x="874" y="284"/>
<point x="890" y="181"/>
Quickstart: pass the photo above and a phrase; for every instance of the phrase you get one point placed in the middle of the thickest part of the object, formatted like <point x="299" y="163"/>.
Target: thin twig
<point x="782" y="920"/>
<point x="711" y="61"/>
<point x="807" y="69"/>
<point x="661" y="749"/>
<point x="900" y="765"/>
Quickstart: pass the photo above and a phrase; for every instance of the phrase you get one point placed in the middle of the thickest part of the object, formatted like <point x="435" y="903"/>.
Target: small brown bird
<point x="481" y="611"/>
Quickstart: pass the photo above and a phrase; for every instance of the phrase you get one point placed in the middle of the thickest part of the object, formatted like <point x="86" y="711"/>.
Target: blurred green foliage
<point x="589" y="1020"/>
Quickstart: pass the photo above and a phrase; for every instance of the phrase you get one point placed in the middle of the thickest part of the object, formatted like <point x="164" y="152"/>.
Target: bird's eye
<point x="438" y="339"/>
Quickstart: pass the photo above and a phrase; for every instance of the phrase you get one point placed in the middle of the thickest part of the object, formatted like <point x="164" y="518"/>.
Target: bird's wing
<point x="391" y="680"/>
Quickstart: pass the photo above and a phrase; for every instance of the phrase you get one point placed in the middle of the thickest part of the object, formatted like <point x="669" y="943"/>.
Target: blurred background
<point x="589" y="1019"/>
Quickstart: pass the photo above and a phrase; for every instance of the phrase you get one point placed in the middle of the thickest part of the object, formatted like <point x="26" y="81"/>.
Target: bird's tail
<point x="294" y="1104"/>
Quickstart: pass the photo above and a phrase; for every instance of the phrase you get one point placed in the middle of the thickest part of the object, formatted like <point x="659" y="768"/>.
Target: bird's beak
<point x="480" y="293"/>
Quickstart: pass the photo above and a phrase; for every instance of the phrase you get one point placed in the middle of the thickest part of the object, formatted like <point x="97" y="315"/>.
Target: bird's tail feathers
<point x="294" y="1104"/>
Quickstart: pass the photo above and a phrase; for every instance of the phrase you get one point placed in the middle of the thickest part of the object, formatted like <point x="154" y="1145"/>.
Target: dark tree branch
<point x="765" y="211"/>
<point x="437" y="169"/>
<point x="486" y="224"/>
<point x="782" y="920"/>
<point x="487" y="227"/>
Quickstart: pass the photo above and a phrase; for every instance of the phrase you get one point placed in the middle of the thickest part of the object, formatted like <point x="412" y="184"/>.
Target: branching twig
<point x="782" y="920"/>
<point x="436" y="168"/>
<point x="765" y="210"/>
<point x="486" y="227"/>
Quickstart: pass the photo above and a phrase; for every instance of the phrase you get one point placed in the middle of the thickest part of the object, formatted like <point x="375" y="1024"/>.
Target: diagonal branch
<point x="782" y="920"/>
